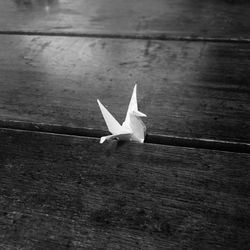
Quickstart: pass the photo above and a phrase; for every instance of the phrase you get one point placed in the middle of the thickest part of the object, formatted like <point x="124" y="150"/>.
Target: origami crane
<point x="132" y="129"/>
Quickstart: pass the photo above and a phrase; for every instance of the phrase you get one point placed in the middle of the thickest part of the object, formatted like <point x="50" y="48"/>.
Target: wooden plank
<point x="170" y="18"/>
<point x="61" y="192"/>
<point x="187" y="89"/>
<point x="149" y="138"/>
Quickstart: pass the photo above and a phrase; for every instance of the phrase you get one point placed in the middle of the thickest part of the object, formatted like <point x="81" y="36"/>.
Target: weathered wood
<point x="238" y="147"/>
<point x="62" y="192"/>
<point x="197" y="90"/>
<point x="173" y="18"/>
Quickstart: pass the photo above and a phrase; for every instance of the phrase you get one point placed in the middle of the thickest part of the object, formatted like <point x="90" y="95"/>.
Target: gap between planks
<point x="162" y="37"/>
<point x="219" y="145"/>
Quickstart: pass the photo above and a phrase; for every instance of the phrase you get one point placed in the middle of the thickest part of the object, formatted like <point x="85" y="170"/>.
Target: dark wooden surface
<point x="225" y="19"/>
<point x="190" y="89"/>
<point x="62" y="192"/>
<point x="68" y="192"/>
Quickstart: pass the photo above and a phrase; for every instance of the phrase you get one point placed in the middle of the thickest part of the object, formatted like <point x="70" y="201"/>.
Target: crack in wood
<point x="160" y="36"/>
<point x="169" y="140"/>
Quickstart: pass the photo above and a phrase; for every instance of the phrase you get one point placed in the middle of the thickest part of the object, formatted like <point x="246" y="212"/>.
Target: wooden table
<point x="187" y="187"/>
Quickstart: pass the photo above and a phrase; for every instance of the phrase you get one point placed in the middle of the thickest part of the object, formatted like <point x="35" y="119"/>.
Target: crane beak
<point x="138" y="113"/>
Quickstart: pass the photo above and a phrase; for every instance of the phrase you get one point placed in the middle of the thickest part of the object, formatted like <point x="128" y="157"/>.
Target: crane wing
<point x="133" y="107"/>
<point x="123" y="137"/>
<point x="133" y="103"/>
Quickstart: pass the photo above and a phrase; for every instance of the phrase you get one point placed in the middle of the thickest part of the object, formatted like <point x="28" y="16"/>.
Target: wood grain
<point x="187" y="89"/>
<point x="227" y="19"/>
<point x="62" y="192"/>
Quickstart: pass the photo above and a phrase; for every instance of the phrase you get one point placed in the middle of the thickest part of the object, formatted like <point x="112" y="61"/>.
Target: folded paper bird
<point x="132" y="129"/>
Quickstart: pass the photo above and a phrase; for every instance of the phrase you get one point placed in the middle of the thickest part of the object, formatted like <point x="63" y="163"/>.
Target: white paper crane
<point x="132" y="129"/>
